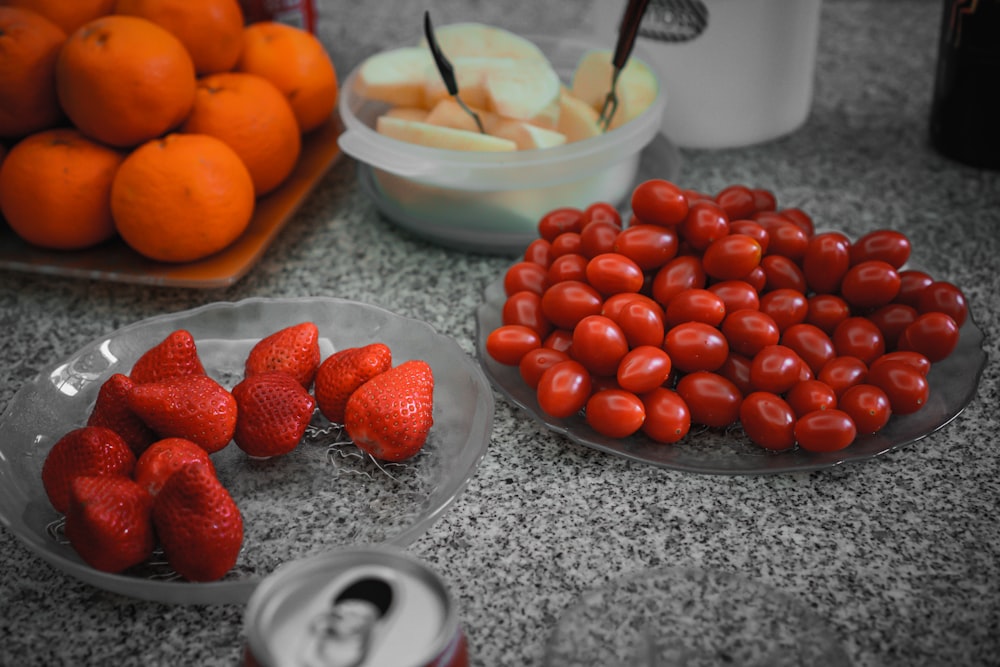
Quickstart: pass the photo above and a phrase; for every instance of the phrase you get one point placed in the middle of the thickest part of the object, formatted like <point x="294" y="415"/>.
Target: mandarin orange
<point x="29" y="48"/>
<point x="67" y="14"/>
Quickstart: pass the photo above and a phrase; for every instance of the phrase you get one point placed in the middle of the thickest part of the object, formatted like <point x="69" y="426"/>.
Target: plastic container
<point x="740" y="72"/>
<point x="491" y="202"/>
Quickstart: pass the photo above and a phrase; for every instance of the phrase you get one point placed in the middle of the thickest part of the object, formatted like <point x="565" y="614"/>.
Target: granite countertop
<point x="900" y="555"/>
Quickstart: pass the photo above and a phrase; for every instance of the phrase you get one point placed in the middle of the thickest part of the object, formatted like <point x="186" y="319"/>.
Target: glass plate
<point x="322" y="495"/>
<point x="116" y="262"/>
<point x="953" y="385"/>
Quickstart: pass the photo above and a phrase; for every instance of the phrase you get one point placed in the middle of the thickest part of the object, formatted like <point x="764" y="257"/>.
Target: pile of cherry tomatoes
<point x="720" y="309"/>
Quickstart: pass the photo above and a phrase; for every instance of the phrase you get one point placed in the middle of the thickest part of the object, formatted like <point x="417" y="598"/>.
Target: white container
<point x="738" y="72"/>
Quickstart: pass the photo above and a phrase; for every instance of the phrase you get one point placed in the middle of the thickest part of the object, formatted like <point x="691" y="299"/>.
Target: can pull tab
<point x="341" y="636"/>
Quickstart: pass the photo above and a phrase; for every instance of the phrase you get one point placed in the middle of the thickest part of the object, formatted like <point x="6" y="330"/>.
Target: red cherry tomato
<point x="737" y="201"/>
<point x="525" y="308"/>
<point x="752" y="229"/>
<point x="566" y="303"/>
<point x="560" y="339"/>
<point x="810" y="395"/>
<point x="643" y="369"/>
<point x="611" y="273"/>
<point x="826" y="311"/>
<point x="557" y="221"/>
<point x="695" y="305"/>
<point x="616" y="302"/>
<point x="911" y="286"/>
<point x="563" y="389"/>
<point x="649" y="246"/>
<point x="870" y="284"/>
<point x="859" y="337"/>
<point x="826" y="260"/>
<point x="615" y="413"/>
<point x="811" y="343"/>
<point x="842" y="372"/>
<point x="705" y="222"/>
<point x="598" y="237"/>
<point x="886" y="245"/>
<point x="764" y="200"/>
<point x="567" y="243"/>
<point x="944" y="297"/>
<point x="906" y="387"/>
<point x="712" y="400"/>
<point x="641" y="322"/>
<point x="781" y="272"/>
<point x="537" y="361"/>
<point x="659" y="202"/>
<point x="757" y="279"/>
<point x="736" y="369"/>
<point x="775" y="368"/>
<point x="750" y="331"/>
<point x="602" y="212"/>
<point x="800" y="218"/>
<point x="915" y="359"/>
<point x="508" y="343"/>
<point x="934" y="335"/>
<point x="678" y="274"/>
<point x="731" y="257"/>
<point x="599" y="344"/>
<point x="892" y="319"/>
<point x="696" y="346"/>
<point x="539" y="252"/>
<point x="788" y="240"/>
<point x="867" y="406"/>
<point x="786" y="307"/>
<point x="736" y="295"/>
<point x="567" y="267"/>
<point x="768" y="420"/>
<point x="825" y="430"/>
<point x="668" y="418"/>
<point x="525" y="276"/>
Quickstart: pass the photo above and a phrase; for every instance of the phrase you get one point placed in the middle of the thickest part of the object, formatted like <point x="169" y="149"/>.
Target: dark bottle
<point x="965" y="113"/>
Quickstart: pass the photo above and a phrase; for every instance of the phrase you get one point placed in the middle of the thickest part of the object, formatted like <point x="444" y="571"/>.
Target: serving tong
<point x="628" y="30"/>
<point x="447" y="71"/>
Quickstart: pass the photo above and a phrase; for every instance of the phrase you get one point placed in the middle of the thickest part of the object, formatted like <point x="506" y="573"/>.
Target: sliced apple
<point x="436" y="136"/>
<point x="577" y="119"/>
<point x="636" y="88"/>
<point x="448" y="113"/>
<point x="470" y="75"/>
<point x="478" y="39"/>
<point x="408" y="113"/>
<point x="525" y="135"/>
<point x="396" y="76"/>
<point x="524" y="91"/>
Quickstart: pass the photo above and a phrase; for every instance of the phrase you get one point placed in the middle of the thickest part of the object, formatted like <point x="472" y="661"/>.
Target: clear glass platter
<point x="321" y="496"/>
<point x="953" y="386"/>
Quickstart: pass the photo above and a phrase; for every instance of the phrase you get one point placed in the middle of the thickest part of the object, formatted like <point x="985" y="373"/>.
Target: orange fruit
<point x="67" y="14"/>
<point x="252" y="116"/>
<point x="55" y="189"/>
<point x="211" y="30"/>
<point x="29" y="47"/>
<point x="124" y="80"/>
<point x="295" y="61"/>
<point x="182" y="197"/>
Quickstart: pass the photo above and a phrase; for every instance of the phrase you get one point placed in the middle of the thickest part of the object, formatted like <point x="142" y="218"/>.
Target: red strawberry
<point x="198" y="523"/>
<point x="111" y="411"/>
<point x="273" y="411"/>
<point x="174" y="356"/>
<point x="89" y="450"/>
<point x="343" y="372"/>
<point x="195" y="407"/>
<point x="293" y="350"/>
<point x="165" y="457"/>
<point x="390" y="415"/>
<point x="109" y="522"/>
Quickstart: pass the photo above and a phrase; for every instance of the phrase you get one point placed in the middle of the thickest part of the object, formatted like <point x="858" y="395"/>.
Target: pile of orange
<point x="159" y="121"/>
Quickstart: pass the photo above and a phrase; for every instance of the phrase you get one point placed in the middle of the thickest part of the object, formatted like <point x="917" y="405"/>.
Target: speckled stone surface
<point x="900" y="555"/>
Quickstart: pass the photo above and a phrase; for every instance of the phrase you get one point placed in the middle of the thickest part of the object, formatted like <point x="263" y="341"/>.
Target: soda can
<point x="298" y="13"/>
<point x="355" y="607"/>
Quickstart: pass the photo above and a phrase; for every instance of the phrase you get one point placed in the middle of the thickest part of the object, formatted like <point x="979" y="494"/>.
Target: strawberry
<point x="109" y="522"/>
<point x="273" y="411"/>
<point x="343" y="372"/>
<point x="390" y="415"/>
<point x="88" y="450"/>
<point x="111" y="411"/>
<point x="293" y="350"/>
<point x="195" y="407"/>
<point x="174" y="356"/>
<point x="199" y="526"/>
<point x="165" y="457"/>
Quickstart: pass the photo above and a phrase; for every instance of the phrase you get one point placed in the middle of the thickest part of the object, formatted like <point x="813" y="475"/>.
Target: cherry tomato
<point x="731" y="257"/>
<point x="566" y="303"/>
<point x="508" y="343"/>
<point x="842" y="372"/>
<point x="757" y="279"/>
<point x="736" y="295"/>
<point x="659" y="202"/>
<point x="782" y="273"/>
<point x="602" y="383"/>
<point x="563" y="389"/>
<point x="811" y="343"/>
<point x="525" y="276"/>
<point x="775" y="368"/>
<point x="810" y="395"/>
<point x="694" y="195"/>
<point x="641" y="322"/>
<point x="750" y="331"/>
<point x="712" y="400"/>
<point x="677" y="275"/>
<point x="886" y="245"/>
<point x="696" y="346"/>
<point x="610" y="273"/>
<point x="859" y="337"/>
<point x="788" y="240"/>
<point x="539" y="252"/>
<point x="906" y="387"/>
<point x="567" y="267"/>
<point x="695" y="305"/>
<point x="649" y="246"/>
<point x="602" y="212"/>
<point x="537" y="361"/>
<point x="911" y="286"/>
<point x="752" y="229"/>
<point x="892" y="319"/>
<point x="599" y="344"/>
<point x="768" y="420"/>
<point x="567" y="243"/>
<point x="736" y="369"/>
<point x="944" y="297"/>
<point x="764" y="200"/>
<point x="737" y="201"/>
<point x="826" y="311"/>
<point x="934" y="335"/>
<point x="614" y="303"/>
<point x="557" y="221"/>
<point x="598" y="237"/>
<point x="615" y="413"/>
<point x="870" y="284"/>
<point x="560" y="339"/>
<point x="704" y="223"/>
<point x="915" y="359"/>
<point x="668" y="418"/>
<point x="800" y="218"/>
<point x="525" y="308"/>
<point x="643" y="369"/>
<point x="786" y="307"/>
<point x="825" y="430"/>
<point x="826" y="260"/>
<point x="867" y="406"/>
